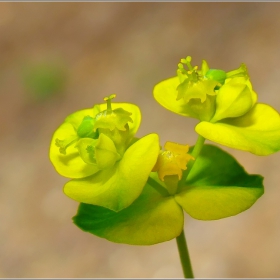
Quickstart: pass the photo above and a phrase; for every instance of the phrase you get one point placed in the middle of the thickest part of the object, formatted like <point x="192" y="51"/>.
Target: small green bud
<point x="216" y="75"/>
<point x="86" y="128"/>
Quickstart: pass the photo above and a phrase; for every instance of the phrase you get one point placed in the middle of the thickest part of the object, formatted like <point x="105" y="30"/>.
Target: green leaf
<point x="218" y="186"/>
<point x="257" y="132"/>
<point x="166" y="94"/>
<point x="71" y="164"/>
<point x="117" y="187"/>
<point x="151" y="219"/>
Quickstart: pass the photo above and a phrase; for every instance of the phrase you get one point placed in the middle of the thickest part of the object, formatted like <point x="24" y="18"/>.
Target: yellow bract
<point x="173" y="160"/>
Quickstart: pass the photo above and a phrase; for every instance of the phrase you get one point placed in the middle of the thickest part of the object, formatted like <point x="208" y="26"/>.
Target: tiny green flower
<point x="194" y="84"/>
<point x="228" y="112"/>
<point x="97" y="149"/>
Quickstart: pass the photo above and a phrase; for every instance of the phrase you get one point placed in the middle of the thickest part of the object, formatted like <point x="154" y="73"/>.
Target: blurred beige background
<point x="82" y="52"/>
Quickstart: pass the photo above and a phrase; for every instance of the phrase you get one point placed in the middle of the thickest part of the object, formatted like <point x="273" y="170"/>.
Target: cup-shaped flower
<point x="170" y="164"/>
<point x="64" y="152"/>
<point x="229" y="113"/>
<point x="216" y="187"/>
<point x="97" y="149"/>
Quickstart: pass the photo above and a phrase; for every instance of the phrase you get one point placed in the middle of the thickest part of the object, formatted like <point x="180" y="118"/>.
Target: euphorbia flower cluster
<point x="226" y="105"/>
<point x="96" y="148"/>
<point x="132" y="190"/>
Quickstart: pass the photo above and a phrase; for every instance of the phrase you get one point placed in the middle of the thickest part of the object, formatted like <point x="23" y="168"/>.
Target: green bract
<point x="217" y="187"/>
<point x="225" y="104"/>
<point x="97" y="149"/>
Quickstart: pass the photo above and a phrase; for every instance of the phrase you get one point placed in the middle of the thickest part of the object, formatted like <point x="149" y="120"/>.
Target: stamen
<point x="187" y="61"/>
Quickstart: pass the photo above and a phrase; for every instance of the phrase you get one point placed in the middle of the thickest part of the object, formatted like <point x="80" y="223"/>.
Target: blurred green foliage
<point x="44" y="79"/>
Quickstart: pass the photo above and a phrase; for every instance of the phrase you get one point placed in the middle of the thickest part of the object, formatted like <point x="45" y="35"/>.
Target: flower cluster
<point x="135" y="192"/>
<point x="226" y="106"/>
<point x="96" y="148"/>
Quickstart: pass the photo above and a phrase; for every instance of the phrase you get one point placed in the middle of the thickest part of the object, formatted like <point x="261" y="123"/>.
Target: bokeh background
<point x="56" y="58"/>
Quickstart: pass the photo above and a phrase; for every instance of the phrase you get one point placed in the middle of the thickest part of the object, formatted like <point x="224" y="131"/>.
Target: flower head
<point x="226" y="105"/>
<point x="195" y="84"/>
<point x="97" y="149"/>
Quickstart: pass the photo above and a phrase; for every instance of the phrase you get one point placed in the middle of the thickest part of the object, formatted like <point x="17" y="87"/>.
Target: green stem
<point x="195" y="153"/>
<point x="153" y="183"/>
<point x="184" y="255"/>
<point x="181" y="240"/>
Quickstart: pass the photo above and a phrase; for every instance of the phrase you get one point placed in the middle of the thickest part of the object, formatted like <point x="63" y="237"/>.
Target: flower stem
<point x="184" y="255"/>
<point x="195" y="153"/>
<point x="181" y="240"/>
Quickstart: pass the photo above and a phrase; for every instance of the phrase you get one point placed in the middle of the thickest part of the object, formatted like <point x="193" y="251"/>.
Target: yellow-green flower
<point x="172" y="160"/>
<point x="229" y="113"/>
<point x="96" y="148"/>
<point x="194" y="83"/>
<point x="170" y="164"/>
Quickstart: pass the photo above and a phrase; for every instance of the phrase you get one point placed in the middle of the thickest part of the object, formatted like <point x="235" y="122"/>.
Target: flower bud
<point x="216" y="75"/>
<point x="86" y="128"/>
